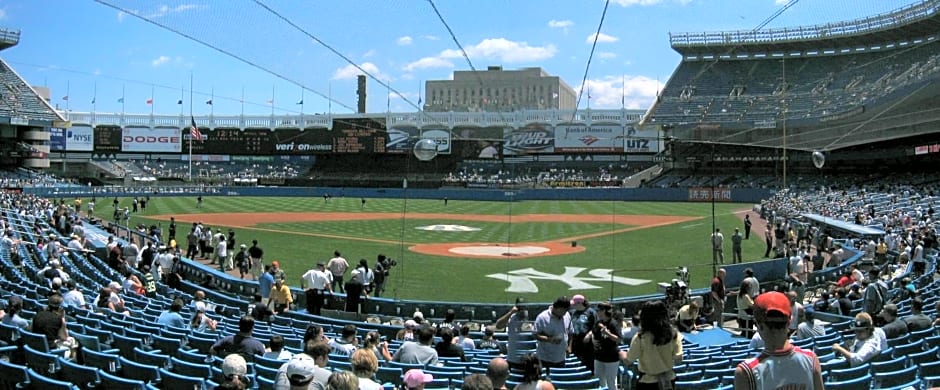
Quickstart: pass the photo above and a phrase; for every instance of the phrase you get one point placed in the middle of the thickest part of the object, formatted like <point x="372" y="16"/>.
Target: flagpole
<point x="193" y="120"/>
<point x="151" y="100"/>
<point x="182" y="91"/>
<point x="242" y="101"/>
<point x="272" y="100"/>
<point x="330" y="98"/>
<point x="123" y="103"/>
<point x="94" y="104"/>
<point x="68" y="87"/>
<point x="212" y="104"/>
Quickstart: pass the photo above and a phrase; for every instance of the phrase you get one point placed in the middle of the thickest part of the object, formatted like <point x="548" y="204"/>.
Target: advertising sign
<point x="401" y="140"/>
<point x="79" y="138"/>
<point x="56" y="139"/>
<point x="146" y="140"/>
<point x="441" y="137"/>
<point x="589" y="139"/>
<point x="532" y="139"/>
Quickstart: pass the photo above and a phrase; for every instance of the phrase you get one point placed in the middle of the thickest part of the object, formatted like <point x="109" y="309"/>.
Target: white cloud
<point x="562" y="24"/>
<point x="350" y="72"/>
<point x="504" y="50"/>
<point x="369" y="53"/>
<point x="159" y="61"/>
<point x="3" y="13"/>
<point x="638" y="92"/>
<point x="606" y="55"/>
<point x="601" y="38"/>
<point x="431" y="37"/>
<point x="404" y="95"/>
<point x="165" y="10"/>
<point x="427" y="63"/>
<point x="121" y="15"/>
<point x="781" y="2"/>
<point x="404" y="41"/>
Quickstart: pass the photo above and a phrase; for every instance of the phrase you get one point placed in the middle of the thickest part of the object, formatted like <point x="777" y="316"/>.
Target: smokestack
<point x="361" y="93"/>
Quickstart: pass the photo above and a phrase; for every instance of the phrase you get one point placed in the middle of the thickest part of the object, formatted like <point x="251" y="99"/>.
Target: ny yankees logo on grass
<point x="523" y="280"/>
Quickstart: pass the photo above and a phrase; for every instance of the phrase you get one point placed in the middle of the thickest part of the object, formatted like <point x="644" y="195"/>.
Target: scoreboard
<point x="360" y="135"/>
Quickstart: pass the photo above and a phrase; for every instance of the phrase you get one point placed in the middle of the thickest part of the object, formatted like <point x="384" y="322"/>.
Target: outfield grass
<point x="649" y="254"/>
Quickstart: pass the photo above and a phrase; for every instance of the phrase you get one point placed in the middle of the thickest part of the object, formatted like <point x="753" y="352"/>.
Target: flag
<point x="66" y="97"/>
<point x="150" y="101"/>
<point x="554" y="95"/>
<point x="179" y="101"/>
<point x="120" y="100"/>
<point x="419" y="101"/>
<point x="194" y="131"/>
<point x="271" y="101"/>
<point x="209" y="102"/>
<point x="301" y="102"/>
<point x="93" y="100"/>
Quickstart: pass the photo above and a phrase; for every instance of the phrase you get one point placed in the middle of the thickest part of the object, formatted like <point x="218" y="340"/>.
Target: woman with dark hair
<point x="532" y="375"/>
<point x="657" y="347"/>
<point x="745" y="311"/>
<point x="605" y="340"/>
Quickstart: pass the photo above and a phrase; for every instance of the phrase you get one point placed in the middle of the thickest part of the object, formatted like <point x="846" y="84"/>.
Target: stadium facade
<point x="496" y="89"/>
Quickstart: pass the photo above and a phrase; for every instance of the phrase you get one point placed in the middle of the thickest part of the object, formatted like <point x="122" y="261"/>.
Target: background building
<point x="496" y="89"/>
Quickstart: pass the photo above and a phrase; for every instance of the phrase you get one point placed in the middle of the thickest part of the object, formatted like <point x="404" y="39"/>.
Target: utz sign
<point x="529" y="139"/>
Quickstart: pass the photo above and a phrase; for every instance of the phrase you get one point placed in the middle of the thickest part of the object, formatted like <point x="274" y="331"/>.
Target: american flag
<point x="194" y="131"/>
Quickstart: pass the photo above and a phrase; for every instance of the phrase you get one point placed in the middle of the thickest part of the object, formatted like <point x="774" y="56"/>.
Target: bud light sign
<point x="528" y="140"/>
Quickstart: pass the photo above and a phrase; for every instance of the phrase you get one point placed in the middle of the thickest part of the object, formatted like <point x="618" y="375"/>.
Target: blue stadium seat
<point x="265" y="383"/>
<point x="895" y="378"/>
<point x="385" y="375"/>
<point x="183" y="367"/>
<point x="41" y="362"/>
<point x="863" y="382"/>
<point x="114" y="382"/>
<point x="704" y="384"/>
<point x="929" y="355"/>
<point x="150" y="357"/>
<point x="200" y="344"/>
<point x="92" y="343"/>
<point x="12" y="375"/>
<point x="38" y="342"/>
<point x="167" y="345"/>
<point x="889" y="365"/>
<point x="591" y="383"/>
<point x="139" y="371"/>
<point x="906" y="349"/>
<point x="39" y="382"/>
<point x="106" y="362"/>
<point x="83" y="376"/>
<point x="838" y="375"/>
<point x="171" y="380"/>
<point x="127" y="344"/>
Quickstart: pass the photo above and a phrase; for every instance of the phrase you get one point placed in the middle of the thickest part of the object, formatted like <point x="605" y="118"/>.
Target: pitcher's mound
<point x="497" y="251"/>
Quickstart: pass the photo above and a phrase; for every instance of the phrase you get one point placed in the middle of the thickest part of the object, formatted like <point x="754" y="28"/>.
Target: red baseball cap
<point x="774" y="302"/>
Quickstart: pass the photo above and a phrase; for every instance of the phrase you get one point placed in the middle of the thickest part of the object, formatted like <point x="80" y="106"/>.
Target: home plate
<point x="499" y="250"/>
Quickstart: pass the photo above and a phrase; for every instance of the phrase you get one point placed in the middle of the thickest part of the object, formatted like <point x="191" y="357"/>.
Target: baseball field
<point x="477" y="251"/>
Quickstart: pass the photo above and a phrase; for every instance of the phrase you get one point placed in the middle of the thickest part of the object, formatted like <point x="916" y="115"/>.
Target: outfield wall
<point x="695" y="194"/>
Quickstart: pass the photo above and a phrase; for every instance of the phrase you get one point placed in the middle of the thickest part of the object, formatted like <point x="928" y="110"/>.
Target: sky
<point x="259" y="57"/>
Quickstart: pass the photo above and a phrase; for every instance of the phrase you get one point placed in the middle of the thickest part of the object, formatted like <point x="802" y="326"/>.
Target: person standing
<point x="604" y="339"/>
<point x="656" y="348"/>
<point x="281" y="296"/>
<point x="513" y="321"/>
<point x="718" y="294"/>
<point x="221" y="253"/>
<point x="256" y="254"/>
<point x="780" y="364"/>
<point x="747" y="226"/>
<point x="316" y="281"/>
<point x="265" y="284"/>
<point x="769" y="240"/>
<point x="718" y="245"/>
<point x="338" y="266"/>
<point x="736" y="247"/>
<point x="354" y="290"/>
<point x="551" y="331"/>
<point x="583" y="319"/>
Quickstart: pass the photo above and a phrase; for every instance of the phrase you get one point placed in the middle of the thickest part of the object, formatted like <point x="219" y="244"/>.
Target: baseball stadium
<point x="797" y="159"/>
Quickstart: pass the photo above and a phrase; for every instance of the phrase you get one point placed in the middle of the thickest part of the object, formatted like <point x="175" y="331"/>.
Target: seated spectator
<point x="447" y="348"/>
<point x="172" y="317"/>
<point x="917" y="321"/>
<point x="342" y="380"/>
<point x="866" y="346"/>
<point x="277" y="351"/>
<point x="631" y="329"/>
<point x="242" y="343"/>
<point x="305" y="370"/>
<point x="893" y="327"/>
<point x="202" y="322"/>
<point x="418" y="352"/>
<point x="235" y="371"/>
<point x="347" y="343"/>
<point x="688" y="316"/>
<point x="260" y="310"/>
<point x="12" y="317"/>
<point x="498" y="372"/>
<point x="532" y="375"/>
<point x="809" y="327"/>
<point x="489" y="342"/>
<point x="364" y="364"/>
<point x="407" y="333"/>
<point x="51" y="323"/>
<point x="845" y="304"/>
<point x="415" y="379"/>
<point x="464" y="340"/>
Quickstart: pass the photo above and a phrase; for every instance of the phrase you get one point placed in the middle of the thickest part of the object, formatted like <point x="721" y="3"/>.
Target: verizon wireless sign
<point x="151" y="140"/>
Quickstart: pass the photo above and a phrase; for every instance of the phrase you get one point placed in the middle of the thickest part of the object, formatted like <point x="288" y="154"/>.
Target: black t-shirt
<point x="606" y="350"/>
<point x="450" y="350"/>
<point x="48" y="323"/>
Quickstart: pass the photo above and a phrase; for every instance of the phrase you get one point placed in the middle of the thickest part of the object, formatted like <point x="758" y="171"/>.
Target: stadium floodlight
<point x="425" y="149"/>
<point x="819" y="159"/>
